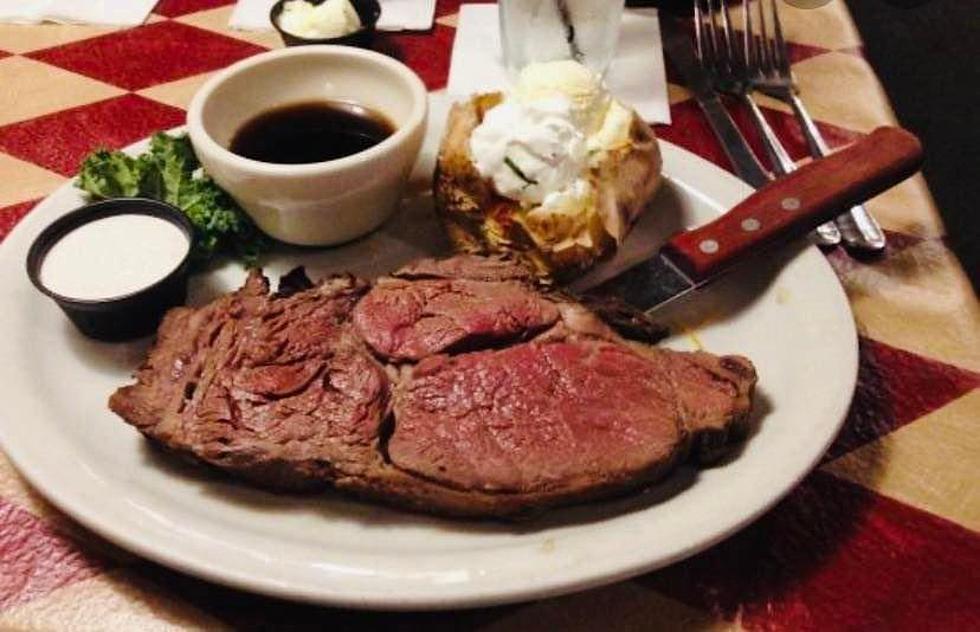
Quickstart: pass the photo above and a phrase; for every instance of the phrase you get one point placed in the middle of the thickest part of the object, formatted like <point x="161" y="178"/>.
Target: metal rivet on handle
<point x="708" y="246"/>
<point x="790" y="204"/>
<point x="751" y="224"/>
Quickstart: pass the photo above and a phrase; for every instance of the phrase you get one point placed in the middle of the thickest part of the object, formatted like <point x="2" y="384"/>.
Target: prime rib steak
<point x="454" y="386"/>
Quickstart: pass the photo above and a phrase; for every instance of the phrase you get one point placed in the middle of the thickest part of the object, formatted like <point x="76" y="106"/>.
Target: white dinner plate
<point x="787" y="313"/>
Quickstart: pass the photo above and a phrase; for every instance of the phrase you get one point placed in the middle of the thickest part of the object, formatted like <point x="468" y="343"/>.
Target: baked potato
<point x="558" y="245"/>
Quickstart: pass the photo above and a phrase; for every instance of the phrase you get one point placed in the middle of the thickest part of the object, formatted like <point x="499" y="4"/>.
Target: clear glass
<point x="548" y="30"/>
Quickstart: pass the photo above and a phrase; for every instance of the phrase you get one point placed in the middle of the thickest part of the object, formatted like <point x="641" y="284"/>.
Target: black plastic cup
<point x="367" y="10"/>
<point x="130" y="315"/>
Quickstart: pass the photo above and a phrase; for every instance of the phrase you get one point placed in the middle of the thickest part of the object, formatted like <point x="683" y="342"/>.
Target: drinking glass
<point x="548" y="30"/>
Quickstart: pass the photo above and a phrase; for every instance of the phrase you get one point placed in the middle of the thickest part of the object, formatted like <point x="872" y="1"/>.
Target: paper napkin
<point x="396" y="15"/>
<point x="636" y="76"/>
<point x="406" y="15"/>
<point x="101" y="12"/>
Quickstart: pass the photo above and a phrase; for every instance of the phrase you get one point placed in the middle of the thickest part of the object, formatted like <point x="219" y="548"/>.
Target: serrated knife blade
<point x="774" y="215"/>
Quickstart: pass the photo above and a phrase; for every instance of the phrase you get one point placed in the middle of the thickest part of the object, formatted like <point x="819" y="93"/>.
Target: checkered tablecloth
<point x="883" y="535"/>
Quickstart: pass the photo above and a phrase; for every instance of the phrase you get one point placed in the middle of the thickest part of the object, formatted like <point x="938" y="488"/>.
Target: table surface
<point x="883" y="535"/>
<point x="919" y="86"/>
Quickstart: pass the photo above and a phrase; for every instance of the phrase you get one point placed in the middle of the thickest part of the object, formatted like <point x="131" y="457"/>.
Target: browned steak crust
<point x="277" y="391"/>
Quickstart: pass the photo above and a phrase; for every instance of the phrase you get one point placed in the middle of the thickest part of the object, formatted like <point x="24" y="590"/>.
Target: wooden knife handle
<point x="799" y="202"/>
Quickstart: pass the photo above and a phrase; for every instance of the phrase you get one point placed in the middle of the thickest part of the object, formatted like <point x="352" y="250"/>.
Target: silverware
<point x="769" y="72"/>
<point x="729" y="60"/>
<point x="772" y="216"/>
<point x="677" y="43"/>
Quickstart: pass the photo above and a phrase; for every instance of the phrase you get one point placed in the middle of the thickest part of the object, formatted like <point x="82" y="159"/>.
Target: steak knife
<point x="775" y="214"/>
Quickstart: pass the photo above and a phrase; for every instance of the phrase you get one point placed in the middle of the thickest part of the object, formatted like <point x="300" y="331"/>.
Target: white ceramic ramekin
<point x="320" y="203"/>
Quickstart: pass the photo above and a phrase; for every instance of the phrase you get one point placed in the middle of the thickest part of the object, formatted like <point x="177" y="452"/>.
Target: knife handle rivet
<point x="790" y="204"/>
<point x="751" y="224"/>
<point x="708" y="246"/>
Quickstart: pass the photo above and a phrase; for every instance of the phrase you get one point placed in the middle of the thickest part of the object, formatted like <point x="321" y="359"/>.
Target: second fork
<point x="727" y="59"/>
<point x="767" y="57"/>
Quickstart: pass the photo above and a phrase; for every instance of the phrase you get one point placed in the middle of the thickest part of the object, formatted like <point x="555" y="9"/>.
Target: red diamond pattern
<point x="175" y="8"/>
<point x="148" y="55"/>
<point x="837" y="556"/>
<point x="35" y="559"/>
<point x="896" y="387"/>
<point x="690" y="130"/>
<point x="10" y="215"/>
<point x="427" y="55"/>
<point x="845" y="262"/>
<point x="858" y="51"/>
<point x="798" y="52"/>
<point x="787" y="130"/>
<point x="61" y="140"/>
<point x="449" y="7"/>
<point x="897" y="242"/>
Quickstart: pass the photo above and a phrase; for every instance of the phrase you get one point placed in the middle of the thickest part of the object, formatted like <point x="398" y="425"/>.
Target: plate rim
<point x="129" y="536"/>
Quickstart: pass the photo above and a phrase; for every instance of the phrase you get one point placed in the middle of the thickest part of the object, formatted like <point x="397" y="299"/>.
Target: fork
<point x="727" y="61"/>
<point x="769" y="71"/>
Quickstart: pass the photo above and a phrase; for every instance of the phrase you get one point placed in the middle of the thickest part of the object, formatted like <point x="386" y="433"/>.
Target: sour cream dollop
<point x="538" y="144"/>
<point x="333" y="18"/>
<point x="529" y="149"/>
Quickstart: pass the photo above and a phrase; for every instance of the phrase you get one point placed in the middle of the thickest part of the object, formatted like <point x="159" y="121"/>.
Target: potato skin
<point x="478" y="220"/>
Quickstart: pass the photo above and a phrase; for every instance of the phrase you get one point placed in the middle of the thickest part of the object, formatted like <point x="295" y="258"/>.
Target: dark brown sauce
<point x="311" y="132"/>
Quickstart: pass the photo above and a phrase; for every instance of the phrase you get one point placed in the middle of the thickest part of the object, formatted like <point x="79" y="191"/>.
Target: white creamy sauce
<point x="113" y="256"/>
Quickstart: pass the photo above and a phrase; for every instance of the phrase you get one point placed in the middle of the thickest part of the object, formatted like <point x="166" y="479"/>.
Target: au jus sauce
<point x="311" y="132"/>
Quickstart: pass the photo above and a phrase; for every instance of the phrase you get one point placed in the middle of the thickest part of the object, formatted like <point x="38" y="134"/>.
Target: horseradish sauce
<point x="113" y="256"/>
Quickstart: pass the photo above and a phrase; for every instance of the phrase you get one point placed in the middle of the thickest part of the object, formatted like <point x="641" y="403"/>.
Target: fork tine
<point x="701" y="32"/>
<point x="730" y="41"/>
<point x="698" y="43"/>
<point x="765" y="58"/>
<point x="712" y="31"/>
<point x="699" y="35"/>
<point x="779" y="43"/>
<point x="748" y="37"/>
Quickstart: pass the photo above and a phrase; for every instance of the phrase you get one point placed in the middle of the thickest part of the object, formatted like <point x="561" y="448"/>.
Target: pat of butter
<point x="332" y="18"/>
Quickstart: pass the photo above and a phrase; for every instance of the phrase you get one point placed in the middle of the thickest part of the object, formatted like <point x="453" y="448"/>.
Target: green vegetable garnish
<point x="170" y="172"/>
<point x="517" y="171"/>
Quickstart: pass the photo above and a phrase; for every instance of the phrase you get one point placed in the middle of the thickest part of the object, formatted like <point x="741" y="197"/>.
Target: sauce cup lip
<point x="91" y="212"/>
<point x="200" y="135"/>
<point x="365" y="8"/>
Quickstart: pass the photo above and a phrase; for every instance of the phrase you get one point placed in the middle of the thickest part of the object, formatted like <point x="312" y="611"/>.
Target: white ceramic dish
<point x="318" y="203"/>
<point x="789" y="315"/>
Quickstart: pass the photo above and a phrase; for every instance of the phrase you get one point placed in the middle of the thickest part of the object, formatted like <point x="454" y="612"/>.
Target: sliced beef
<point x="518" y="400"/>
<point x="473" y="267"/>
<point x="278" y="391"/>
<point x="410" y="320"/>
<point x="562" y="414"/>
<point x="713" y="396"/>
